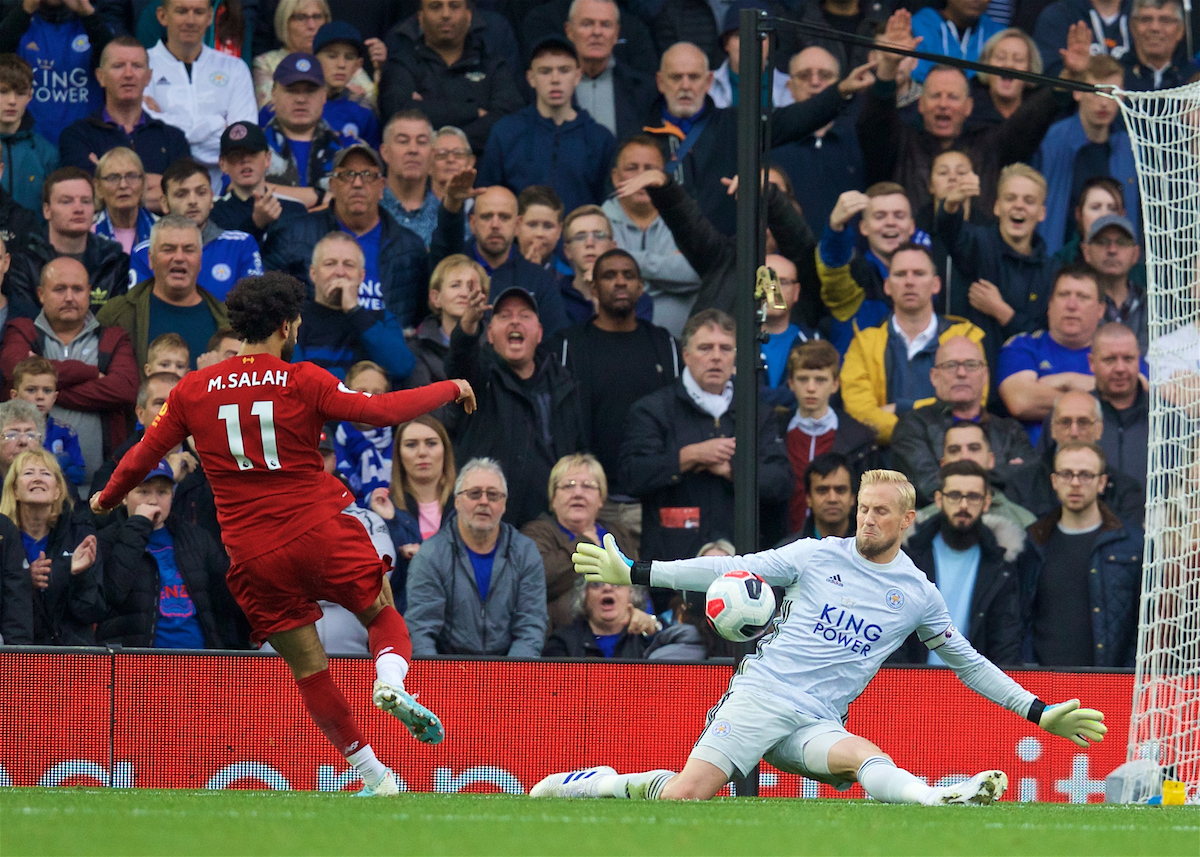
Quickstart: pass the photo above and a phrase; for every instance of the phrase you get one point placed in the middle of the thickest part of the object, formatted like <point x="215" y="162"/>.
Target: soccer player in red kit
<point x="256" y="420"/>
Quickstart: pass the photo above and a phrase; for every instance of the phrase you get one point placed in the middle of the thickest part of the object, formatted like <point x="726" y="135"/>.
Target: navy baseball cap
<point x="517" y="291"/>
<point x="553" y="42"/>
<point x="733" y="16"/>
<point x="339" y="31"/>
<point x="243" y="136"/>
<point x="161" y="469"/>
<point x="299" y="68"/>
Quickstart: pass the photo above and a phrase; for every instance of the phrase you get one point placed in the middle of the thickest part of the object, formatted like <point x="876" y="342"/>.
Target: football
<point x="739" y="605"/>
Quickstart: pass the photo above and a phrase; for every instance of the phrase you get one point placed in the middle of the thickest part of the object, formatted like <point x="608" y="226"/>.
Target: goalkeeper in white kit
<point x="848" y="604"/>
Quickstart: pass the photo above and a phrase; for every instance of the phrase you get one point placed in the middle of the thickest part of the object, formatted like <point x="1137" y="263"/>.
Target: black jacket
<point x="713" y="254"/>
<point x="450" y="95"/>
<point x="403" y="265"/>
<point x="917" y="445"/>
<point x="1126" y="438"/>
<point x="658" y="426"/>
<point x="1114" y="586"/>
<point x="132" y="584"/>
<point x="158" y="144"/>
<point x="525" y="425"/>
<point x="430" y="352"/>
<point x="106" y="263"/>
<point x="577" y="640"/>
<point x="64" y="613"/>
<point x="16" y="588"/>
<point x="995" y="627"/>
<point x="714" y="156"/>
<point x="571" y="349"/>
<point x="17" y="223"/>
<point x="895" y="151"/>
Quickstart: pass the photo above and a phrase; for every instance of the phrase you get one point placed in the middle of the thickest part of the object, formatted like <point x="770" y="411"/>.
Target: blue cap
<point x="161" y="469"/>
<point x="339" y="31"/>
<point x="733" y="15"/>
<point x="299" y="68"/>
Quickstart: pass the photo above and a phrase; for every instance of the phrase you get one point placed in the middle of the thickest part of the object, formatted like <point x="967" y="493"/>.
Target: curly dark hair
<point x="257" y="306"/>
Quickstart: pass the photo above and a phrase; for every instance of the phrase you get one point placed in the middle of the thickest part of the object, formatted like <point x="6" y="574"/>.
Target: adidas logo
<point x="836" y="580"/>
<point x="162" y="81"/>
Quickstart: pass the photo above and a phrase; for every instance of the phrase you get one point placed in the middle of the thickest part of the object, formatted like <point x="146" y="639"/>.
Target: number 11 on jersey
<point x="265" y="411"/>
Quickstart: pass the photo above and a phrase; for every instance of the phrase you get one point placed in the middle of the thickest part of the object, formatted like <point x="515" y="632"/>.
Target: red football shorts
<point x="334" y="561"/>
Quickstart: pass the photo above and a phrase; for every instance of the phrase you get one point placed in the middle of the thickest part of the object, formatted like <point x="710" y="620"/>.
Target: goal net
<point x="1165" y="723"/>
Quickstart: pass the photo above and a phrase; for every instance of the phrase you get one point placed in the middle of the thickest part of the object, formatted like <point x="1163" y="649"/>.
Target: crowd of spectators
<point x="539" y="198"/>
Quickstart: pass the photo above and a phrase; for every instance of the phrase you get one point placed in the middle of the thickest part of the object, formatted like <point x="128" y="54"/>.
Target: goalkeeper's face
<point x="882" y="520"/>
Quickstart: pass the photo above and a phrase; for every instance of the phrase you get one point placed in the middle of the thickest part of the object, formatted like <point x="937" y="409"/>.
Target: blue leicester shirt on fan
<point x="225" y="260"/>
<point x="177" y="626"/>
<point x="370" y="293"/>
<point x="352" y="122"/>
<point x="64" y="88"/>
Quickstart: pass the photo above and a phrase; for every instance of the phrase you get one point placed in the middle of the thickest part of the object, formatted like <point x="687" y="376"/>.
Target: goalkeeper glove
<point x="606" y="564"/>
<point x="1076" y="724"/>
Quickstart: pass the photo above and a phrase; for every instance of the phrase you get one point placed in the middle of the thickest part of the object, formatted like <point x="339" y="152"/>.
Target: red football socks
<point x="388" y="634"/>
<point x="330" y="711"/>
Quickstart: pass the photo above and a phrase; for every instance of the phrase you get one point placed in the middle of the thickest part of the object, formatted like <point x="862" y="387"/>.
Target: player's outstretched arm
<point x="337" y="402"/>
<point x="1068" y="720"/>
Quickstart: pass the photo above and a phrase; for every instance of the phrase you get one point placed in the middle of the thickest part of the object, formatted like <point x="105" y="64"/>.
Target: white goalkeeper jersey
<point x="841" y="617"/>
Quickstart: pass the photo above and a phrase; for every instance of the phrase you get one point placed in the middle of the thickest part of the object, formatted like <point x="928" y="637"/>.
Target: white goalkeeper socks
<point x="369" y="768"/>
<point x="644" y="786"/>
<point x="882" y="780"/>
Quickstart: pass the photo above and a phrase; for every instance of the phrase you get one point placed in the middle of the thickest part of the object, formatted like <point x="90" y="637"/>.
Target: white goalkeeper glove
<point x="1069" y="721"/>
<point x="606" y="564"/>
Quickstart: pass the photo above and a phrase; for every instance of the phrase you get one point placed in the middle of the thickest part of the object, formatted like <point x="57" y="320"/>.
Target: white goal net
<point x="1165" y="723"/>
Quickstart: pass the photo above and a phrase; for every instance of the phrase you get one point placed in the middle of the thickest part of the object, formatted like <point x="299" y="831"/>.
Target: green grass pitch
<point x="176" y="823"/>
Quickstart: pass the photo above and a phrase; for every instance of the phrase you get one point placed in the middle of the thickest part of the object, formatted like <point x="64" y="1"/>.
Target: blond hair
<point x="453" y="263"/>
<point x="579" y="459"/>
<point x="1023" y="171"/>
<point x="908" y="494"/>
<point x="8" y="500"/>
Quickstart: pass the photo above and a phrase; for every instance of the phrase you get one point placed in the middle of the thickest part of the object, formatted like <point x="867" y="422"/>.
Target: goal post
<point x="1164" y="127"/>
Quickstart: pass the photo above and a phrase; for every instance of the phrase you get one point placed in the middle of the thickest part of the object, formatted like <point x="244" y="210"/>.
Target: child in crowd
<point x="540" y="225"/>
<point x="36" y="381"/>
<point x="342" y="51"/>
<point x="28" y="156"/>
<point x="364" y="452"/>
<point x="817" y="427"/>
<point x="168" y="352"/>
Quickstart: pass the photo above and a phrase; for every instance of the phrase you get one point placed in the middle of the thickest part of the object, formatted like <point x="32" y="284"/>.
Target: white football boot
<point x="572" y="783"/>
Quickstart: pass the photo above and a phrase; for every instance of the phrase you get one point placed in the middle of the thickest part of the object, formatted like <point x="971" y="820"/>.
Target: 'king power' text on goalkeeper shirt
<point x="841" y="617"/>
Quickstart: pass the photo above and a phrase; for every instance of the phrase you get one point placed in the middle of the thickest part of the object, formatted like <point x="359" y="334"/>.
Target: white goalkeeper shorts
<point x="744" y="727"/>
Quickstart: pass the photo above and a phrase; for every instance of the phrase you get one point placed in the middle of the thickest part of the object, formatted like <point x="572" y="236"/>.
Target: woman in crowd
<point x="420" y="495"/>
<point x="1100" y="196"/>
<point x="997" y="98"/>
<point x="577" y="490"/>
<point x="296" y="24"/>
<point x="364" y="452"/>
<point x="120" y="193"/>
<point x="948" y="169"/>
<point x="164" y="579"/>
<point x="453" y="282"/>
<point x="601" y="628"/>
<point x="60" y="551"/>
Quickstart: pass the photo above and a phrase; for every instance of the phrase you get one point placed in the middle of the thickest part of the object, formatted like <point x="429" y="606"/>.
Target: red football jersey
<point x="256" y="420"/>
